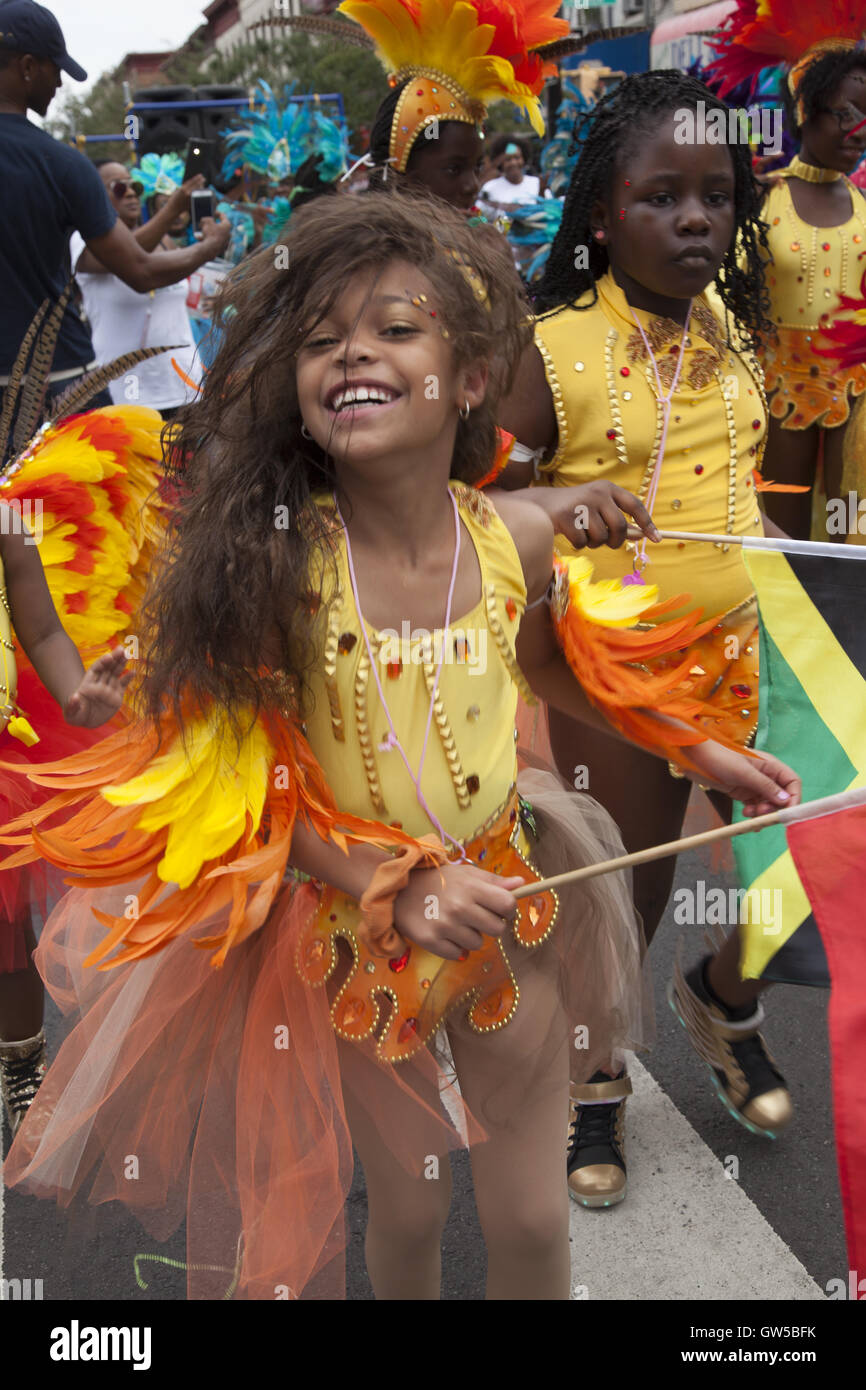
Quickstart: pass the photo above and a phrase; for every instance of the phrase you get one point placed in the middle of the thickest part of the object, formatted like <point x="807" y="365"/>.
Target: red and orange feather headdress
<point x="461" y="54"/>
<point x="794" y="33"/>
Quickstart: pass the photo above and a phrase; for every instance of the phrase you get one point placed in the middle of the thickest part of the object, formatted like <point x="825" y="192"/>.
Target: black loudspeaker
<point x="215" y="119"/>
<point x="162" y="131"/>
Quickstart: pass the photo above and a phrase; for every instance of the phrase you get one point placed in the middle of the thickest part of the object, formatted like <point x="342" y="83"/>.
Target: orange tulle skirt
<point x="31" y="889"/>
<point x="223" y="1097"/>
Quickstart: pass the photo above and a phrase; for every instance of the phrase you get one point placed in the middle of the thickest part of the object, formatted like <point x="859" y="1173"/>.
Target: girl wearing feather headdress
<point x="332" y="658"/>
<point x="816" y="221"/>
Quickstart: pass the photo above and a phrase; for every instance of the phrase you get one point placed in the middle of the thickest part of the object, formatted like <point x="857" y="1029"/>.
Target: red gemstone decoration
<point x="825" y="246"/>
<point x="742" y="692"/>
<point x="511" y="608"/>
<point x="393" y="669"/>
<point x="472" y="784"/>
<point x="400" y="963"/>
<point x="346" y="642"/>
<point x="409" y="1027"/>
<point x="611" y="434"/>
<point x="699" y="468"/>
<point x="419" y="92"/>
<point x="756" y="424"/>
<point x="624" y="371"/>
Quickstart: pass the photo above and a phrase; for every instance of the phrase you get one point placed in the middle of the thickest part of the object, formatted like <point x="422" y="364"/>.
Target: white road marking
<point x="685" y="1229"/>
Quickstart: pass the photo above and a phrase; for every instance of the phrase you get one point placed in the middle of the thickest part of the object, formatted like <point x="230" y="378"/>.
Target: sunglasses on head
<point x="120" y="187"/>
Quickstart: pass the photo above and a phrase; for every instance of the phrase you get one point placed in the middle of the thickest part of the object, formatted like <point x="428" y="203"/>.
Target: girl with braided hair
<point x="643" y="380"/>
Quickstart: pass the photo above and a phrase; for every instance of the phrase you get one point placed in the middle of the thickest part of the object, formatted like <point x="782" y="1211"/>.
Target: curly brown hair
<point x="234" y="598"/>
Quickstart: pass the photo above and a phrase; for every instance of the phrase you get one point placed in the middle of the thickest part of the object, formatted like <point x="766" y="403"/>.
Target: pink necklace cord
<point x="393" y="740"/>
<point x="666" y="404"/>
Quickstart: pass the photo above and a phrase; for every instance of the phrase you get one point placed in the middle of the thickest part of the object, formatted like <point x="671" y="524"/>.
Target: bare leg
<point x="648" y="805"/>
<point x="516" y="1083"/>
<point x="406" y="1213"/>
<point x="791" y="457"/>
<point x="723" y="974"/>
<point x="834" y="443"/>
<point x="22" y="997"/>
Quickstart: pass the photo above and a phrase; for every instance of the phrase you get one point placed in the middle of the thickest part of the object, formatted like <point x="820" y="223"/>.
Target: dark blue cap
<point x="30" y="28"/>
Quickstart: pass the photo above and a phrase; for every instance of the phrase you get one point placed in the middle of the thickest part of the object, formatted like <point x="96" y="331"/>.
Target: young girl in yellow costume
<point x="323" y="568"/>
<point x="816" y="234"/>
<point x="641" y="382"/>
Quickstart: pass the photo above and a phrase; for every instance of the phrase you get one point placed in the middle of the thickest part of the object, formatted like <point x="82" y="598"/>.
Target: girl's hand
<point x="594" y="514"/>
<point x="762" y="784"/>
<point x="447" y="910"/>
<point x="100" y="694"/>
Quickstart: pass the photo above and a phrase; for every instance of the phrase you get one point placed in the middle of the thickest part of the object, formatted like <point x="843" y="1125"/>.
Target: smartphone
<point x="201" y="204"/>
<point x="199" y="156"/>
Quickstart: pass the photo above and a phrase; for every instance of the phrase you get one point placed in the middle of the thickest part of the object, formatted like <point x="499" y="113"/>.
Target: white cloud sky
<point x="99" y="32"/>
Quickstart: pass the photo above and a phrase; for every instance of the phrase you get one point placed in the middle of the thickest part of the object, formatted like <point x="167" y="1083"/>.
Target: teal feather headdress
<point x="159" y="173"/>
<point x="275" y="140"/>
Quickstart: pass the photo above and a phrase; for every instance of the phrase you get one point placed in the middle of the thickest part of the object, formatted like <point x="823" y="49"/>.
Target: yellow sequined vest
<point x="810" y="268"/>
<point x="470" y="765"/>
<point x="610" y="424"/>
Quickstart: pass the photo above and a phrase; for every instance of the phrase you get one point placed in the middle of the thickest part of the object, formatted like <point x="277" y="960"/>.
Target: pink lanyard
<point x="392" y="740"/>
<point x="666" y="404"/>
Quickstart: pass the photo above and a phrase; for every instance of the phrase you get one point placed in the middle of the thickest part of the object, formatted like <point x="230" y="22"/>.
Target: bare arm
<point x="771" y="529"/>
<point x="527" y="412"/>
<point x="86" y="698"/>
<point x="123" y="256"/>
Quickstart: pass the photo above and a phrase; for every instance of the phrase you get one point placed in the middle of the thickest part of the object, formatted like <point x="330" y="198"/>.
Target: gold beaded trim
<point x="362" y="676"/>
<point x="732" y="463"/>
<point x="446" y="736"/>
<point x="758" y="374"/>
<point x="654" y="451"/>
<point x="556" y="393"/>
<point x="504" y="645"/>
<point x="531" y="945"/>
<point x="330" y="664"/>
<point x="613" y="398"/>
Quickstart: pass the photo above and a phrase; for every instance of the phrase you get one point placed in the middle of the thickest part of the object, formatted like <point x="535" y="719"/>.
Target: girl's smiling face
<point x="376" y="376"/>
<point x="669" y="218"/>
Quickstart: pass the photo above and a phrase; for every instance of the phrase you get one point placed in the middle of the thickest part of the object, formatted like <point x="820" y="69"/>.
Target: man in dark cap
<point x="50" y="191"/>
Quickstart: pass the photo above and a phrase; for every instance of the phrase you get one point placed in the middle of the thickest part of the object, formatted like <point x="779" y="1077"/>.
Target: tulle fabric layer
<point x="220" y="1095"/>
<point x="34" y="888"/>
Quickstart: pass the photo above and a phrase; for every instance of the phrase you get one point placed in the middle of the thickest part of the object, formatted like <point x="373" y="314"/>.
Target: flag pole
<point x="822" y="806"/>
<point x="787" y="546"/>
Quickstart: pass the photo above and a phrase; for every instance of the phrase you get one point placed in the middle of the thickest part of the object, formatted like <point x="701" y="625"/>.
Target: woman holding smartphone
<point x="123" y="320"/>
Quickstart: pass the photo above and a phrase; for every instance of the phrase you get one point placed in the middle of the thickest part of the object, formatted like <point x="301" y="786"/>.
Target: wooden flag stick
<point x="823" y="806"/>
<point x="789" y="547"/>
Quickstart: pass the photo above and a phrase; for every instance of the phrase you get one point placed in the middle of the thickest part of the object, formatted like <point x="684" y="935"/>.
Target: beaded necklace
<point x="392" y="741"/>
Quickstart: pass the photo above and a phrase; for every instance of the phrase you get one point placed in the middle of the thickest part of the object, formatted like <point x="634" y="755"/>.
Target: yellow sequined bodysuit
<point x="469" y="781"/>
<point x="810" y="268"/>
<point x="610" y="425"/>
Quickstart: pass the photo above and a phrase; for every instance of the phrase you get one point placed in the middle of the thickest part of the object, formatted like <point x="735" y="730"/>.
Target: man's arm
<point x="150" y="235"/>
<point x="124" y="257"/>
